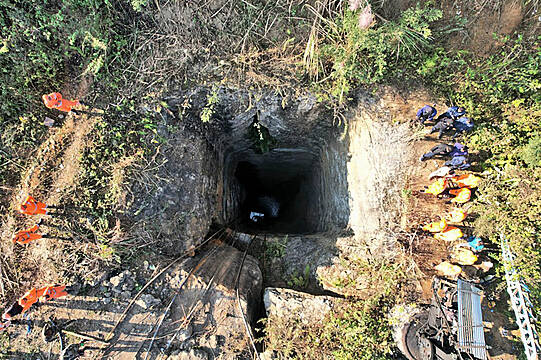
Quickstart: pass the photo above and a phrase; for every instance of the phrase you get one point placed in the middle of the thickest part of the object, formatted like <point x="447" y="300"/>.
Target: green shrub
<point x="501" y="94"/>
<point x="353" y="330"/>
<point x="47" y="46"/>
<point x="351" y="56"/>
<point x="531" y="153"/>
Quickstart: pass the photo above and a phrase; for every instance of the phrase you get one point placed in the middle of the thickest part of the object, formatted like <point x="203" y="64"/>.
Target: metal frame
<point x="471" y="337"/>
<point x="521" y="303"/>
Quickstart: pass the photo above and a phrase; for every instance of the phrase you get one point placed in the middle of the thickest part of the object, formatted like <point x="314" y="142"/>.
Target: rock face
<point x="376" y="176"/>
<point x="182" y="203"/>
<point x="293" y="261"/>
<point x="195" y="178"/>
<point x="327" y="174"/>
<point x="288" y="303"/>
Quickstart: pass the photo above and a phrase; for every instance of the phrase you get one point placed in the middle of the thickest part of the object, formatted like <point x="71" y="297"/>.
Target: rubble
<point x="219" y="328"/>
<point x="123" y="282"/>
<point x="185" y="333"/>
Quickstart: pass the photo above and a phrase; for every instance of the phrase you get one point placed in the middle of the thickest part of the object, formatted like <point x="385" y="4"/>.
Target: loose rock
<point x="97" y="279"/>
<point x="146" y="301"/>
<point x="185" y="333"/>
<point x="122" y="282"/>
<point x="193" y="354"/>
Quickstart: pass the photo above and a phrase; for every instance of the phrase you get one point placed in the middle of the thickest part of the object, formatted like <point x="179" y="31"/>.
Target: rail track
<point x="161" y="332"/>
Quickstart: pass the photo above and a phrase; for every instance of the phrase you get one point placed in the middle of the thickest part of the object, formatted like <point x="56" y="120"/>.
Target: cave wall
<point x="173" y="198"/>
<point x="307" y="140"/>
<point x="379" y="157"/>
<point x="352" y="166"/>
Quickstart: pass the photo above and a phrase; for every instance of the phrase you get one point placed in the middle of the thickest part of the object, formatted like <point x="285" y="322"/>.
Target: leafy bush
<point x="351" y="56"/>
<point x="509" y="202"/>
<point x="353" y="330"/>
<point x="360" y="331"/>
<point x="502" y="95"/>
<point x="531" y="154"/>
<point x="486" y="86"/>
<point x="46" y="47"/>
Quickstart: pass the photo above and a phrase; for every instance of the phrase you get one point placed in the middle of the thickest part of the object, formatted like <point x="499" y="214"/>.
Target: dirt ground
<point x="89" y="314"/>
<point x="486" y="23"/>
<point x="207" y="321"/>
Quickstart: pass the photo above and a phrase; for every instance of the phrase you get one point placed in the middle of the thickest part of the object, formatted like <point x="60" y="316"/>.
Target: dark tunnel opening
<point x="277" y="191"/>
<point x="284" y="182"/>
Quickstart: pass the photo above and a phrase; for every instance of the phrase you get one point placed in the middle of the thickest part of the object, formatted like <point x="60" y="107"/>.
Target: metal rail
<point x="521" y="303"/>
<point x="160" y="322"/>
<point x="246" y="325"/>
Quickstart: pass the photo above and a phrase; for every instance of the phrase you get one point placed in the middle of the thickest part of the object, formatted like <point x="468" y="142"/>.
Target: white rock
<point x="146" y="301"/>
<point x="214" y="341"/>
<point x="185" y="333"/>
<point x="128" y="286"/>
<point x="267" y="355"/>
<point x="115" y="281"/>
<point x="285" y="303"/>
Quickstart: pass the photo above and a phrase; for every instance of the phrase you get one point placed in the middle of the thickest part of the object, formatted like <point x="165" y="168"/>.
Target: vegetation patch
<point x="502" y="95"/>
<point x="355" y="328"/>
<point x="345" y="55"/>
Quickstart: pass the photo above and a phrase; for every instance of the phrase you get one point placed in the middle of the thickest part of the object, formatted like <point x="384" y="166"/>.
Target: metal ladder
<point x="521" y="303"/>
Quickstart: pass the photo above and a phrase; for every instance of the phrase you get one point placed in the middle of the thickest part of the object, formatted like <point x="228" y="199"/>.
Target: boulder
<point x="288" y="303"/>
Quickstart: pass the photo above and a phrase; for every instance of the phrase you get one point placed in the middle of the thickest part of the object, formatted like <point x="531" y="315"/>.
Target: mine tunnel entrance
<point x="277" y="191"/>
<point x="283" y="178"/>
